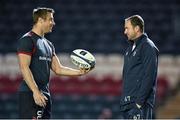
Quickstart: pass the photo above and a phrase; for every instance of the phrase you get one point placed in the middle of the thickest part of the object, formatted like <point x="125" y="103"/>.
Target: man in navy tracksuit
<point x="139" y="71"/>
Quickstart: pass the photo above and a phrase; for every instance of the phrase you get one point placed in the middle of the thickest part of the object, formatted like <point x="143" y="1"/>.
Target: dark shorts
<point x="29" y="110"/>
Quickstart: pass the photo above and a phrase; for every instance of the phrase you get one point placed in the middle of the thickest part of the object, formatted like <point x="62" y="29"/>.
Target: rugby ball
<point x="83" y="59"/>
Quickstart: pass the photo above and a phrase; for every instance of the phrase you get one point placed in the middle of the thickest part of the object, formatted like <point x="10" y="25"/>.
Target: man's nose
<point x="53" y="23"/>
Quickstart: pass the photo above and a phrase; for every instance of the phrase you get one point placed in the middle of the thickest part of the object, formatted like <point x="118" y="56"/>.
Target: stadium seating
<point x="74" y="95"/>
<point x="94" y="25"/>
<point x="104" y="81"/>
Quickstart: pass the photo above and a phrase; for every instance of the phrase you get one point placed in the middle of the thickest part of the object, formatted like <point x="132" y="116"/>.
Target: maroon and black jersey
<point x="41" y="52"/>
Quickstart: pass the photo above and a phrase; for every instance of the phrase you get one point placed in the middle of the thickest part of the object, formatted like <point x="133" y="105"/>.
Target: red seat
<point x="84" y="86"/>
<point x="8" y="85"/>
<point x="162" y="88"/>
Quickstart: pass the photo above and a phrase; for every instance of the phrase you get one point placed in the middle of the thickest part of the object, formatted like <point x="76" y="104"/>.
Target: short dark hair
<point x="136" y="20"/>
<point x="41" y="12"/>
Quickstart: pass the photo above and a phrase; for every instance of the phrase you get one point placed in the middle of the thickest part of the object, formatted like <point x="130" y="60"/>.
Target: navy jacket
<point x="139" y="73"/>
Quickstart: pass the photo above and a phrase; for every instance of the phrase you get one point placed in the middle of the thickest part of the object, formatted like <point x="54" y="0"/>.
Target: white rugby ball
<point x="83" y="59"/>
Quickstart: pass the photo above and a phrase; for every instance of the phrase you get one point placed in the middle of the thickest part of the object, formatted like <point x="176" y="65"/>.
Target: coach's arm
<point x="149" y="59"/>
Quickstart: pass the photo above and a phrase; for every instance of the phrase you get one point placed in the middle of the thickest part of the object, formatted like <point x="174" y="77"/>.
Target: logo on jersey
<point x="45" y="58"/>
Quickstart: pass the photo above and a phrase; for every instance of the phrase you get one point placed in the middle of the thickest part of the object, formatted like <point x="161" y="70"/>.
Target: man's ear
<point x="40" y="20"/>
<point x="137" y="28"/>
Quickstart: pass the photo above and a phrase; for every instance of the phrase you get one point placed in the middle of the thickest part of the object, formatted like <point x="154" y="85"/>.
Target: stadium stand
<point x="97" y="26"/>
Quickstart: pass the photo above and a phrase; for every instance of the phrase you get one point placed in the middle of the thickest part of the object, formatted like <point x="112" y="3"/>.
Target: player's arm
<point x="59" y="69"/>
<point x="24" y="62"/>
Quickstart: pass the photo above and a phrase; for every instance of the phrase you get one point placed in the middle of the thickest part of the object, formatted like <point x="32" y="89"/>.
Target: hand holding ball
<point x="83" y="59"/>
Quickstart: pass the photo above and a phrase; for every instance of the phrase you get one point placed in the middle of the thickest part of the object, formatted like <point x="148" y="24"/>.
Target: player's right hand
<point x="39" y="98"/>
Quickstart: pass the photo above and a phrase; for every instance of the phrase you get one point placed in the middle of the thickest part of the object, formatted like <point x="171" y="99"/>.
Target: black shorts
<point x="28" y="109"/>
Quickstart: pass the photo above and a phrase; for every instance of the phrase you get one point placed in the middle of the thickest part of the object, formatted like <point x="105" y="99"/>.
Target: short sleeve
<point x="25" y="46"/>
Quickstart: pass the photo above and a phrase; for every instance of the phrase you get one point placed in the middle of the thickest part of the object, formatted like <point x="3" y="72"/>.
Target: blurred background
<point x="97" y="26"/>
